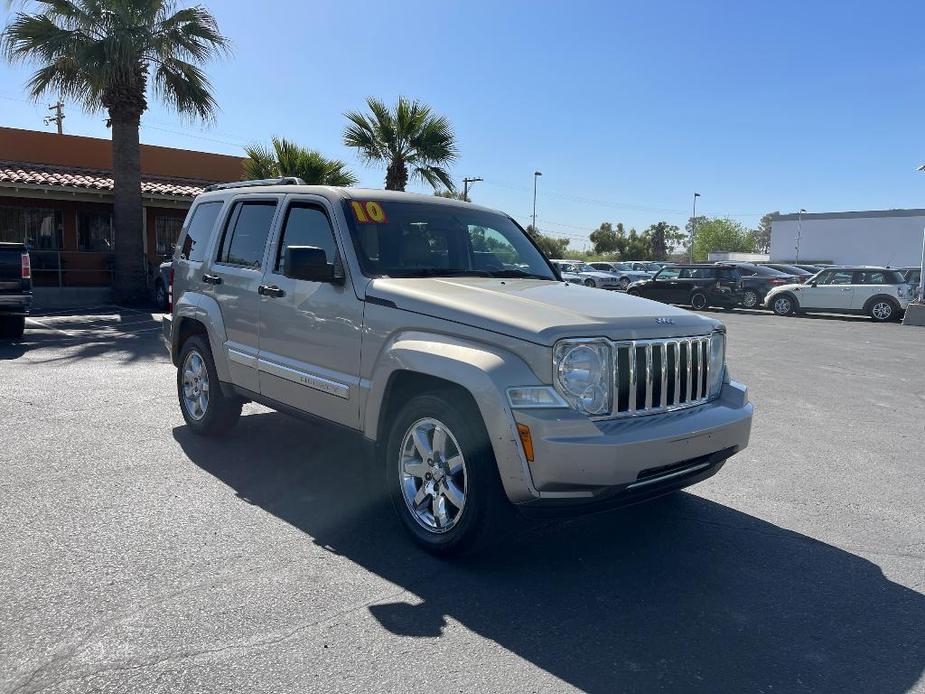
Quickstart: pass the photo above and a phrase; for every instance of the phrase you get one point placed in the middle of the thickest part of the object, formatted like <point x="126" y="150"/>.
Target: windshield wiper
<point x="520" y="273"/>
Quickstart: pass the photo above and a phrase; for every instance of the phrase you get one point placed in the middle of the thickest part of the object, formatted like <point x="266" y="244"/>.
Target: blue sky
<point x="626" y="107"/>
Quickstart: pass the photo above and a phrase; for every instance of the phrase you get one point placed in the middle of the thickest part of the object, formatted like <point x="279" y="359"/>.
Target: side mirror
<point x="308" y="263"/>
<point x="813" y="283"/>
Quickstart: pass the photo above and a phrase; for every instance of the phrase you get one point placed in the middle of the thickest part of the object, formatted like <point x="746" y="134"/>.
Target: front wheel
<point x="590" y="283"/>
<point x="624" y="283"/>
<point x="206" y="409"/>
<point x="699" y="301"/>
<point x="783" y="306"/>
<point x="441" y="474"/>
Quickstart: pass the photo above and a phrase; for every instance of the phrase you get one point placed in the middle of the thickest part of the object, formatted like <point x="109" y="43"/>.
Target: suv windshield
<point x="419" y="239"/>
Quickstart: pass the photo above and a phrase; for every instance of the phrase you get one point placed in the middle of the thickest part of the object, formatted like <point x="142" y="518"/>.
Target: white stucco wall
<point x="880" y="238"/>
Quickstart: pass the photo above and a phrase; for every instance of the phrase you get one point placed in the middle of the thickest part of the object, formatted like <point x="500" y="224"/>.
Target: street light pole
<point x="536" y="174"/>
<point x="799" y="233"/>
<point x="694" y="224"/>
<point x="466" y="182"/>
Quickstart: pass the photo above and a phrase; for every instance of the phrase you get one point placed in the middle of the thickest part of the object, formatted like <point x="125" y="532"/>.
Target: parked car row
<point x="881" y="293"/>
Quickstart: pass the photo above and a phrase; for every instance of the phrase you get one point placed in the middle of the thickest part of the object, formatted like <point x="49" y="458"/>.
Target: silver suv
<point x="438" y="332"/>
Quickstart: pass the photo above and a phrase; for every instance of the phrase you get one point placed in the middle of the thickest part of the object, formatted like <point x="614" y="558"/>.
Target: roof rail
<point x="281" y="181"/>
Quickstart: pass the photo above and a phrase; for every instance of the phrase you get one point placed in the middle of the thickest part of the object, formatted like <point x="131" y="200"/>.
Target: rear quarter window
<point x="881" y="277"/>
<point x="199" y="229"/>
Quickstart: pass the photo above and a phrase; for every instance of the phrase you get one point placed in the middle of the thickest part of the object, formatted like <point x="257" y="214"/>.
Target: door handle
<point x="846" y="289"/>
<point x="270" y="290"/>
<point x="211" y="279"/>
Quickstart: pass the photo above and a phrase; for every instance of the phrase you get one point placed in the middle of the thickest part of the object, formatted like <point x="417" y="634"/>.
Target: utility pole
<point x="536" y="174"/>
<point x="799" y="233"/>
<point x="466" y="182"/>
<point x="58" y="118"/>
<point x="694" y="224"/>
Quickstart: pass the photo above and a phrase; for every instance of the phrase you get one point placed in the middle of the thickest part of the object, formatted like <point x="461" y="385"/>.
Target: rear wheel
<point x="699" y="301"/>
<point x="206" y="409"/>
<point x="12" y="326"/>
<point x="750" y="299"/>
<point x="624" y="283"/>
<point x="883" y="310"/>
<point x="441" y="474"/>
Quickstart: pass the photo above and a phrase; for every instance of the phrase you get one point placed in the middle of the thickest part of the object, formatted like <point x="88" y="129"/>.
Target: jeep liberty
<point x="438" y="331"/>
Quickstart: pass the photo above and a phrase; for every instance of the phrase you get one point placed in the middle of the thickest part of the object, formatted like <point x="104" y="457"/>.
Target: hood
<point x="539" y="311"/>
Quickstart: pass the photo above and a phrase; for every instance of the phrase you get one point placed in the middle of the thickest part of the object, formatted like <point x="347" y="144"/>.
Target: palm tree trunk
<point x="396" y="176"/>
<point x="129" y="273"/>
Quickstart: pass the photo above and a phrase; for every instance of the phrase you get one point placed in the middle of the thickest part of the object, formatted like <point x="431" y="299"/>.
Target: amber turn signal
<point x="526" y="441"/>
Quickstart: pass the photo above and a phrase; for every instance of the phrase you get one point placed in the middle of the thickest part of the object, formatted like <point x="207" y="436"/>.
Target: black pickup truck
<point x="15" y="288"/>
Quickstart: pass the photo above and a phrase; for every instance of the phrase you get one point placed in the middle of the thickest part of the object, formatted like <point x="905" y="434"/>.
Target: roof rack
<point x="281" y="181"/>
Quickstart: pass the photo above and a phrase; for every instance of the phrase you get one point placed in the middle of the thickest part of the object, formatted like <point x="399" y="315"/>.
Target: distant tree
<point x="604" y="239"/>
<point x="663" y="239"/>
<point x="763" y="233"/>
<point x="409" y="138"/>
<point x="452" y="195"/>
<point x="286" y="158"/>
<point x="553" y="248"/>
<point x="722" y="234"/>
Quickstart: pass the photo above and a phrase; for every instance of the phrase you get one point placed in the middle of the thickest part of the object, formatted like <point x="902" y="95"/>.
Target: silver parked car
<point x="438" y="333"/>
<point x="587" y="275"/>
<point x="623" y="272"/>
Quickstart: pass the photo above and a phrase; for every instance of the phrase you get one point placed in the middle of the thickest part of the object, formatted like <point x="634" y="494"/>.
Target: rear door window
<point x="199" y="230"/>
<point x="246" y="233"/>
<point x="879" y="277"/>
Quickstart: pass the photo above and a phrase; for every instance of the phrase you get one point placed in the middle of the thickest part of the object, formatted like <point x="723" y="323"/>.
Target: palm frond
<point x="436" y="176"/>
<point x="286" y="158"/>
<point x="185" y="87"/>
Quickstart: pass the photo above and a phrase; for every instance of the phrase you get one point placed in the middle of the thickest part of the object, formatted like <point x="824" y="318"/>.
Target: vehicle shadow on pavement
<point x="680" y="594"/>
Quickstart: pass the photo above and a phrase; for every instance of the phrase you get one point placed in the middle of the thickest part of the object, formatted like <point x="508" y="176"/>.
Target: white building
<point x="875" y="237"/>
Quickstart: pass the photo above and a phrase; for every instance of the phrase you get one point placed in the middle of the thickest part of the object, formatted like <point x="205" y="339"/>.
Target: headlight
<point x="582" y="374"/>
<point x="717" y="362"/>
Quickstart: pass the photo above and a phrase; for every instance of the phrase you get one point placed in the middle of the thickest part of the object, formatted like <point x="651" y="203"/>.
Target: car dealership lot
<point x="139" y="558"/>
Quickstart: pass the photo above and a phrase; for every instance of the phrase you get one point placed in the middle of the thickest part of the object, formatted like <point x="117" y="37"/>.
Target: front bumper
<point x="15" y="304"/>
<point x="579" y="461"/>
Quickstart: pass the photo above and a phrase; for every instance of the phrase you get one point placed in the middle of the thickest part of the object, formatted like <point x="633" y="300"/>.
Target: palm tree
<point x="406" y="136"/>
<point x="111" y="54"/>
<point x="286" y="158"/>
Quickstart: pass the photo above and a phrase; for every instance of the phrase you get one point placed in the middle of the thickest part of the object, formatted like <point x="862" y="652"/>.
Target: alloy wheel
<point x="432" y="474"/>
<point x="750" y="299"/>
<point x="882" y="310"/>
<point x="782" y="306"/>
<point x="195" y="385"/>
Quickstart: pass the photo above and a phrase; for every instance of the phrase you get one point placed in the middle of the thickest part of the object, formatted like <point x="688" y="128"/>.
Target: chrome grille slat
<point x="648" y="376"/>
<point x="663" y="402"/>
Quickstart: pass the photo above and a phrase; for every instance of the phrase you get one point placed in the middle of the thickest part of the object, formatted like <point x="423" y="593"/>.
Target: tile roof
<point x="93" y="179"/>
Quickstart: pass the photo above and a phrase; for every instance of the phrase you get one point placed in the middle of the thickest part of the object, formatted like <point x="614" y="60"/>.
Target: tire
<point x="699" y="301"/>
<point x="632" y="292"/>
<point x="12" y="327"/>
<point x="750" y="299"/>
<point x="590" y="283"/>
<point x="784" y="305"/>
<point x="437" y="522"/>
<point x="214" y="414"/>
<point x="624" y="283"/>
<point x="883" y="310"/>
<point x="160" y="295"/>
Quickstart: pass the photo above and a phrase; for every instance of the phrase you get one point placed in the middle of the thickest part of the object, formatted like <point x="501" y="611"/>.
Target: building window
<point x="167" y="230"/>
<point x="94" y="231"/>
<point x="38" y="227"/>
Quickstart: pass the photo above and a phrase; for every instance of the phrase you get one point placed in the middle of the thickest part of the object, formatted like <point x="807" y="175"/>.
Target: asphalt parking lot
<point x="137" y="558"/>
